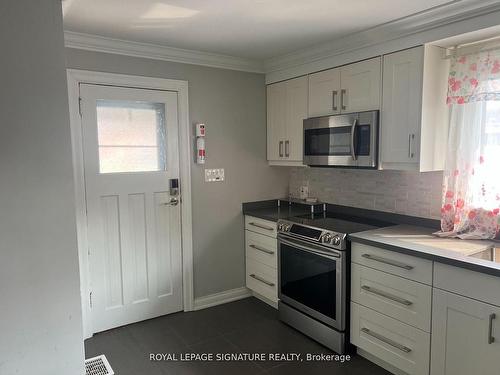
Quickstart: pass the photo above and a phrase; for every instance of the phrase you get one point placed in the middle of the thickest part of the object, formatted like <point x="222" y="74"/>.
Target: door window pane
<point x="131" y="136"/>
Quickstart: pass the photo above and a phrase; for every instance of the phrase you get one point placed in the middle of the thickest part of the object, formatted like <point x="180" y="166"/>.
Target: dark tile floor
<point x="245" y="326"/>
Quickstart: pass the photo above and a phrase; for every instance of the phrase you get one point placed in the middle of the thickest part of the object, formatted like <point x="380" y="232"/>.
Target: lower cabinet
<point x="261" y="259"/>
<point x="465" y="336"/>
<point x="400" y="345"/>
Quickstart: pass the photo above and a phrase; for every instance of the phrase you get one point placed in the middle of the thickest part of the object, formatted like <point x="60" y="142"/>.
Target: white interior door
<point x="131" y="151"/>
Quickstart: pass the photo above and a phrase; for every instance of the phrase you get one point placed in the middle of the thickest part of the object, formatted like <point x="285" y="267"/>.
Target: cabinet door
<point x="401" y="108"/>
<point x="276" y="121"/>
<point x="324" y="93"/>
<point x="360" y="86"/>
<point x="462" y="333"/>
<point x="296" y="112"/>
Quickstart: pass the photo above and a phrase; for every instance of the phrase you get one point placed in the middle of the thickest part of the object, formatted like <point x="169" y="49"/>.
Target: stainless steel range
<point x="313" y="256"/>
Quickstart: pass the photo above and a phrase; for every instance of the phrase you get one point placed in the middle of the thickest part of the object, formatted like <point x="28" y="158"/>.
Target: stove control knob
<point x="280" y="226"/>
<point x="336" y="240"/>
<point x="326" y="238"/>
<point x="286" y="227"/>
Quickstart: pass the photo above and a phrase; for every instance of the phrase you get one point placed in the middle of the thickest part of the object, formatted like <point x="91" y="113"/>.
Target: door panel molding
<point x="75" y="77"/>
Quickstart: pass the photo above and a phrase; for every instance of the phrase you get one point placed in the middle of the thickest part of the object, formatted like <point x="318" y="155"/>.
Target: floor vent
<point x="98" y="366"/>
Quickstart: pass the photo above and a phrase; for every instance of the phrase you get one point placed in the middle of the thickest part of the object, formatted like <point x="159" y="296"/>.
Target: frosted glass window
<point x="131" y="136"/>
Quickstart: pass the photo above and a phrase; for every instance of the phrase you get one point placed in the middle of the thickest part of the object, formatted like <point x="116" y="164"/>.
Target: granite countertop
<point x="274" y="210"/>
<point x="420" y="242"/>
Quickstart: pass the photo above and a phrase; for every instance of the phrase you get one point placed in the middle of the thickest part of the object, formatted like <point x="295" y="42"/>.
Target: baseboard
<point x="220" y="298"/>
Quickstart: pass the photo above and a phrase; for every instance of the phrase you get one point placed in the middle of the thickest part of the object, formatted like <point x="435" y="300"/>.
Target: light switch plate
<point x="214" y="175"/>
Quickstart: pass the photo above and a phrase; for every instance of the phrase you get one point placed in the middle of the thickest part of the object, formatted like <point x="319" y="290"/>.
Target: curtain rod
<point x="484" y="45"/>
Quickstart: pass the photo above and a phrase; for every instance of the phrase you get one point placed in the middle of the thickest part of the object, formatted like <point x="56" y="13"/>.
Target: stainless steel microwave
<point x="349" y="140"/>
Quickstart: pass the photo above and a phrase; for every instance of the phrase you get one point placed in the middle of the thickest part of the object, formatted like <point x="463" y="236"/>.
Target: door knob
<point x="173" y="202"/>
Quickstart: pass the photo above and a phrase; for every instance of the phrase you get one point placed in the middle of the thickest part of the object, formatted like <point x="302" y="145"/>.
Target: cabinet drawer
<point x="402" y="299"/>
<point x="400" y="345"/>
<point x="262" y="279"/>
<point x="265" y="227"/>
<point x="261" y="248"/>
<point x="467" y="283"/>
<point x="398" y="264"/>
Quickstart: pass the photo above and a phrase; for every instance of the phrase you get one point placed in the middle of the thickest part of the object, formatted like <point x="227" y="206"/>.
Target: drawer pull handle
<point x="261" y="249"/>
<point x="258" y="278"/>
<point x="390" y="296"/>
<point x="261" y="226"/>
<point x="387" y="261"/>
<point x="491" y="339"/>
<point x="386" y="340"/>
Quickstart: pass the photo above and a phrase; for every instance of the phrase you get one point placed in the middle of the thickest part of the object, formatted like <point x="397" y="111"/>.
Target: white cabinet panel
<point x="402" y="299"/>
<point x="261" y="248"/>
<point x="398" y="264"/>
<point x="275" y="121"/>
<point x="265" y="227"/>
<point x="400" y="345"/>
<point x="324" y="93"/>
<point x="360" y="86"/>
<point x="414" y="117"/>
<point x="262" y="279"/>
<point x="462" y="336"/>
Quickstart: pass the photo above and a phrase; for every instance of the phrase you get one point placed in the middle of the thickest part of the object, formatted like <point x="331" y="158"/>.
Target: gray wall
<point x="40" y="313"/>
<point x="232" y="104"/>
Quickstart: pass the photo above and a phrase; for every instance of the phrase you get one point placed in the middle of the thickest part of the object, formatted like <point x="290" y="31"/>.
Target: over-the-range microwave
<point x="348" y="140"/>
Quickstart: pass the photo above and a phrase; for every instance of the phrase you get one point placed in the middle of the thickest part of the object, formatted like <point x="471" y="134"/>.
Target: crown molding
<point x="423" y="27"/>
<point x="97" y="43"/>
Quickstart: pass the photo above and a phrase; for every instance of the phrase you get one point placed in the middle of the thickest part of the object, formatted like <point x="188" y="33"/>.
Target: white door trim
<point x="75" y="77"/>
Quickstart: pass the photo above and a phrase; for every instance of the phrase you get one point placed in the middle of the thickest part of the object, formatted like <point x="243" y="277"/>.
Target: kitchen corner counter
<point x="420" y="242"/>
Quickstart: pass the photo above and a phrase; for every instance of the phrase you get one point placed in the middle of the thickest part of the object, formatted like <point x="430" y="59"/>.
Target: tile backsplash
<point x="403" y="192"/>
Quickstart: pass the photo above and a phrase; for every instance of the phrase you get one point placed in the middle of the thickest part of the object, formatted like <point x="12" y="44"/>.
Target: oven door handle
<point x="353" y="131"/>
<point x="310" y="248"/>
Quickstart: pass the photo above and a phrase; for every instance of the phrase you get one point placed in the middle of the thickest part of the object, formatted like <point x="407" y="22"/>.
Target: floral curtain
<point x="471" y="186"/>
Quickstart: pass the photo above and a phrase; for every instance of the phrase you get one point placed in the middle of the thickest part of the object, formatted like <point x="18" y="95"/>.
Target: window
<point x="131" y="136"/>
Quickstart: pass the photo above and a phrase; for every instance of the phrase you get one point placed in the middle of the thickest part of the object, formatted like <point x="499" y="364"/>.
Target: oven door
<point x="311" y="279"/>
<point x="343" y="140"/>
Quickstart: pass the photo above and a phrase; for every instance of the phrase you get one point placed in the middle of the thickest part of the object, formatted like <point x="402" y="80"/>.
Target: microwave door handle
<point x="353" y="131"/>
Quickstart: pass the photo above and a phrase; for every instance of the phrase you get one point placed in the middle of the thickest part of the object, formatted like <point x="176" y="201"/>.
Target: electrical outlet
<point x="214" y="175"/>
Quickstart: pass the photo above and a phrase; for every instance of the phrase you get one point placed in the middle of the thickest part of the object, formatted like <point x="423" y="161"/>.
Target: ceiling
<point x="253" y="29"/>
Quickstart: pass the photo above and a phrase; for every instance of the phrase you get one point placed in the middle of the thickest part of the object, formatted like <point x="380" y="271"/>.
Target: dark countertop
<point x="401" y="233"/>
<point x="420" y="242"/>
<point x="276" y="209"/>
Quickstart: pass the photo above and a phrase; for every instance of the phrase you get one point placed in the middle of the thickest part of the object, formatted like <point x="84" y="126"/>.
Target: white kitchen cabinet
<point x="414" y="116"/>
<point x="286" y="110"/>
<point x="261" y="258"/>
<point x="360" y="86"/>
<point x="324" y="93"/>
<point x="351" y="88"/>
<point x="465" y="336"/>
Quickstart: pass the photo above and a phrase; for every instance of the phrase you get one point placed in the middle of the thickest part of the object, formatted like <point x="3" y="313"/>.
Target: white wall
<point x="40" y="314"/>
<point x="233" y="106"/>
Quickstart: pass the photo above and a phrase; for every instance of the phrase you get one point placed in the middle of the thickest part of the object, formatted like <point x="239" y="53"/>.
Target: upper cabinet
<point x="286" y="110"/>
<point x="350" y="88"/>
<point x="414" y="116"/>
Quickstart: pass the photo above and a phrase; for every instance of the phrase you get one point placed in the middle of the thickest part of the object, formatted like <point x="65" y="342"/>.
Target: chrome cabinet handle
<point x="343" y="92"/>
<point x="491" y="339"/>
<point x="280" y="148"/>
<point x="261" y="249"/>
<point x="334" y="94"/>
<point x="390" y="342"/>
<point x="390" y="296"/>
<point x="287" y="148"/>
<point x="411" y="137"/>
<point x="261" y="226"/>
<point x="172" y="202"/>
<point x="353" y="129"/>
<point x="387" y="261"/>
<point x="258" y="278"/>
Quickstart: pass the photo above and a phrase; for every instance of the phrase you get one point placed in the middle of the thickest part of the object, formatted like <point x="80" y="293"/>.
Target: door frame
<point x="75" y="77"/>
